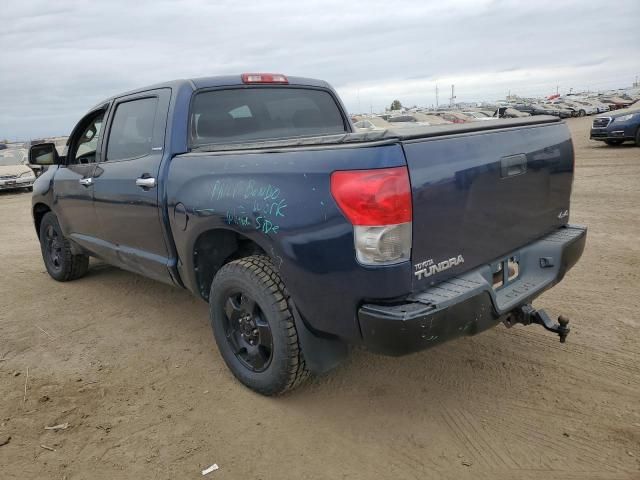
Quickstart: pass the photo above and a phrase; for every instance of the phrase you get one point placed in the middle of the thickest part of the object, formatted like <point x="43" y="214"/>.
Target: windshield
<point x="254" y="114"/>
<point x="13" y="156"/>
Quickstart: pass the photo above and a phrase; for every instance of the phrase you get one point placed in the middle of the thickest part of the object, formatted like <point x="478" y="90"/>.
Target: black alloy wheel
<point x="53" y="249"/>
<point x="254" y="326"/>
<point x="61" y="262"/>
<point x="247" y="332"/>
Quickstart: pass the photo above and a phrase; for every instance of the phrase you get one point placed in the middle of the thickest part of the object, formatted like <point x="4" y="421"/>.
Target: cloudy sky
<point x="58" y="58"/>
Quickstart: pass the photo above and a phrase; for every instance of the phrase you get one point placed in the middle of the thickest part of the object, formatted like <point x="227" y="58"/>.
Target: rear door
<point x="480" y="195"/>
<point x="126" y="193"/>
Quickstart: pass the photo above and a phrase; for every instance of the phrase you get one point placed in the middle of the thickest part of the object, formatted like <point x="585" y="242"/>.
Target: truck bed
<point x="381" y="136"/>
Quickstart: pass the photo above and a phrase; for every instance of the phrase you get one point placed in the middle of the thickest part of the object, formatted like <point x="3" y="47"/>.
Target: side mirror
<point x="43" y="154"/>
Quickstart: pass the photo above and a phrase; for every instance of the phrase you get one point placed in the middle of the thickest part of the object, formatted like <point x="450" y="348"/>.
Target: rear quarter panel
<point x="281" y="200"/>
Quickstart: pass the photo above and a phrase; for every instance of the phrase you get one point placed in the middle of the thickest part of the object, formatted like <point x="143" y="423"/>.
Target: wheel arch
<point x="216" y="247"/>
<point x="39" y="211"/>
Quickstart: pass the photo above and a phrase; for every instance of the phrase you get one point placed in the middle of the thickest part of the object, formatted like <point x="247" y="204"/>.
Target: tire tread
<point x="75" y="266"/>
<point x="264" y="271"/>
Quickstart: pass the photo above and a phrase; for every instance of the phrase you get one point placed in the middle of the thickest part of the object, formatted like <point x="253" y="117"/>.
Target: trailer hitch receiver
<point x="527" y="315"/>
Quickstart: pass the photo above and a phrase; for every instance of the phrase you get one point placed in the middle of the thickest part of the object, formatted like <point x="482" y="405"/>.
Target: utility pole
<point x="453" y="96"/>
<point x="436" y="96"/>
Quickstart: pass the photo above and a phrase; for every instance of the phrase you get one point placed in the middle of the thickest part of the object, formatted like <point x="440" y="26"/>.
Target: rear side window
<point x="252" y="114"/>
<point x="132" y="129"/>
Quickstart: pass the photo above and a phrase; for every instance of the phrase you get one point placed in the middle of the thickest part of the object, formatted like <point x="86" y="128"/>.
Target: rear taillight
<point x="378" y="205"/>
<point x="264" y="78"/>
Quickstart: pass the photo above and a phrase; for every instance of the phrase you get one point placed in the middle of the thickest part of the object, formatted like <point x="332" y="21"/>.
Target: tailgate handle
<point x="513" y="165"/>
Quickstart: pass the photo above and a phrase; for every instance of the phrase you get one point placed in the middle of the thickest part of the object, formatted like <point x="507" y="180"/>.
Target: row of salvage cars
<point x="563" y="107"/>
<point x="423" y="118"/>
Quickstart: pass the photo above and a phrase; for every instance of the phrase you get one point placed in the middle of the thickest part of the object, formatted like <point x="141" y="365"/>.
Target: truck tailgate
<point x="478" y="195"/>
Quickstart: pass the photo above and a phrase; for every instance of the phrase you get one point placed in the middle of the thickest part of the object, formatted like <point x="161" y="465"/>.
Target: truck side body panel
<point x="281" y="201"/>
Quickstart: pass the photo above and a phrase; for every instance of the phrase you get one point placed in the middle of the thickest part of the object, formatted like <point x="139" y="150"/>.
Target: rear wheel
<point x="638" y="137"/>
<point x="613" y="143"/>
<point x="60" y="262"/>
<point x="582" y="113"/>
<point x="254" y="328"/>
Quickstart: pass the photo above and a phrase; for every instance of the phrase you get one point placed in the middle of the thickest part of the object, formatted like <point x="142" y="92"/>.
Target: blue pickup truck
<point x="617" y="127"/>
<point x="305" y="237"/>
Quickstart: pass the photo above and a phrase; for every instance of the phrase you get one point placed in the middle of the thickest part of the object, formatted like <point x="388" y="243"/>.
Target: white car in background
<point x="14" y="174"/>
<point x="581" y="107"/>
<point x="478" y="116"/>
<point x="600" y="107"/>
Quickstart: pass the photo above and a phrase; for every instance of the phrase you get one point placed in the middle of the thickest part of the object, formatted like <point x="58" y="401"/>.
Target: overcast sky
<point x="58" y="58"/>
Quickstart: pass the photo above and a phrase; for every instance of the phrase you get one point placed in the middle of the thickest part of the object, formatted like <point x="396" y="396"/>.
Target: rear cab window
<point x="240" y="115"/>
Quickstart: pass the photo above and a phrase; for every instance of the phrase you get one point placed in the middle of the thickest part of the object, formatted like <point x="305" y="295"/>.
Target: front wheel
<point x="60" y="262"/>
<point x="638" y="137"/>
<point x="613" y="143"/>
<point x="254" y="328"/>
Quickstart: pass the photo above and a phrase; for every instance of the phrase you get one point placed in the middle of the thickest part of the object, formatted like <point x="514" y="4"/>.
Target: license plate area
<point x="505" y="271"/>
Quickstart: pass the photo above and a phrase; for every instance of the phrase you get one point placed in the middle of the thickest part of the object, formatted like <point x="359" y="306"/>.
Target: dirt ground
<point x="132" y="367"/>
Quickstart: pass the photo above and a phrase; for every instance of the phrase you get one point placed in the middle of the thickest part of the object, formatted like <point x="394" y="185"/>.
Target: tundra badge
<point x="427" y="268"/>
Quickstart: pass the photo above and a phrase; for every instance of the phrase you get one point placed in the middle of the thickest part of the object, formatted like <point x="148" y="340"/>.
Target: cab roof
<point x="213" y="82"/>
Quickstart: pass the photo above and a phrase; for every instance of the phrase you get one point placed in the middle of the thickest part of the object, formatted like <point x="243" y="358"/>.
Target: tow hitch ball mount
<point x="527" y="315"/>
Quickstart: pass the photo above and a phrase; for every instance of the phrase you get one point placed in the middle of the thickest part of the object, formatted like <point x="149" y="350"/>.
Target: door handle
<point x="146" y="182"/>
<point x="513" y="165"/>
<point x="87" y="182"/>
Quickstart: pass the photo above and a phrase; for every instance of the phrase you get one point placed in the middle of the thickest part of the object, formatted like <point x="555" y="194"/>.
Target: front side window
<point x="254" y="114"/>
<point x="132" y="129"/>
<point x="86" y="144"/>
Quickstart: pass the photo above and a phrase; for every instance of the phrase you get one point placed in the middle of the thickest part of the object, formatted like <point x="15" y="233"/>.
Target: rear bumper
<point x="468" y="304"/>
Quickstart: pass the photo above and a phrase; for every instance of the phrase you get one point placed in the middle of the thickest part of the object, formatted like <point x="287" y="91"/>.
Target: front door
<point x="126" y="197"/>
<point x="73" y="202"/>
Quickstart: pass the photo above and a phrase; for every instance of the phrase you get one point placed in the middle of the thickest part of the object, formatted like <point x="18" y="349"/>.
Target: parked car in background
<point x="508" y="112"/>
<point x="583" y="108"/>
<point x="14" y="173"/>
<point x="453" y="117"/>
<point x="371" y="123"/>
<point x="561" y="104"/>
<point x="477" y="116"/>
<point x="617" y="127"/>
<point x="416" y="119"/>
<point x="600" y="107"/>
<point x="555" y="110"/>
<point x="525" y="108"/>
<point x="427" y="117"/>
<point x="404" y="120"/>
<point x="617" y="103"/>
